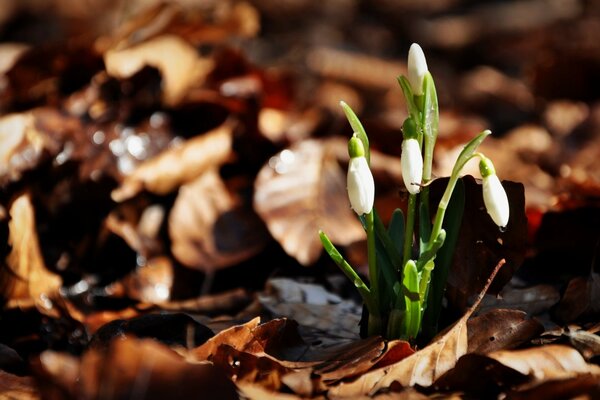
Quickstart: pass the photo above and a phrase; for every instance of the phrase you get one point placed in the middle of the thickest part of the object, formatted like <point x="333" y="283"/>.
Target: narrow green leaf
<point x="431" y="251"/>
<point x="467" y="152"/>
<point x="348" y="271"/>
<point x="396" y="228"/>
<point x="431" y="114"/>
<point x="443" y="261"/>
<point x="357" y="127"/>
<point x="413" y="111"/>
<point x="413" y="307"/>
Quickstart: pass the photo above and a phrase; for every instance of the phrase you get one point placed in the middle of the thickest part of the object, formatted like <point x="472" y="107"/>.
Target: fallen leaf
<point x="277" y="338"/>
<point x="301" y="190"/>
<point x="546" y="362"/>
<point x="422" y="367"/>
<point x="313" y="307"/>
<point x="481" y="243"/>
<point x="170" y="328"/>
<point x="237" y="336"/>
<point x="178" y="165"/>
<point x="584" y="386"/>
<point x="134" y="368"/>
<point x="241" y="366"/>
<point x="533" y="300"/>
<point x="22" y="145"/>
<point x="178" y="61"/>
<point x="587" y="343"/>
<point x="581" y="298"/>
<point x="501" y="329"/>
<point x="210" y="228"/>
<point x="18" y="387"/>
<point x="26" y="277"/>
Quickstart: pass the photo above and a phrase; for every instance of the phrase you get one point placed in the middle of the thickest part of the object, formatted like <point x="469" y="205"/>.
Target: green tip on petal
<point x="486" y="167"/>
<point x="409" y="129"/>
<point x="356" y="147"/>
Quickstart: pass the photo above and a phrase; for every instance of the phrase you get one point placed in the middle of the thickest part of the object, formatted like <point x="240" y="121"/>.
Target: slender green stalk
<point x="372" y="256"/>
<point x="409" y="228"/>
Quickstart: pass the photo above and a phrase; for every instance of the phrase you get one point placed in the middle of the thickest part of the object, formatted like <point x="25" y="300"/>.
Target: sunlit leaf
<point x="26" y="277"/>
<point x="210" y="229"/>
<point x="303" y="190"/>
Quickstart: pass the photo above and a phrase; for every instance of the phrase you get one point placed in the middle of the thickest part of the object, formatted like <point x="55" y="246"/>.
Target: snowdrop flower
<point x="361" y="186"/>
<point x="412" y="165"/>
<point x="417" y="68"/>
<point x="494" y="196"/>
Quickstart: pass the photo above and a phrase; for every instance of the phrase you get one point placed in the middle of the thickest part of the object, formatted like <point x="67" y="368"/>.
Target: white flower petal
<point x="495" y="200"/>
<point x="417" y="68"/>
<point x="412" y="165"/>
<point x="361" y="186"/>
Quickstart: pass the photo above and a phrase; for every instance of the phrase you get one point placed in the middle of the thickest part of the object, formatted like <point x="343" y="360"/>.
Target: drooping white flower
<point x="417" y="68"/>
<point x="494" y="196"/>
<point x="361" y="186"/>
<point x="412" y="165"/>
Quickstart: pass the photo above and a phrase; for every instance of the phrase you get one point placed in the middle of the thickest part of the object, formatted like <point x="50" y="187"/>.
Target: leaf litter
<point x="164" y="170"/>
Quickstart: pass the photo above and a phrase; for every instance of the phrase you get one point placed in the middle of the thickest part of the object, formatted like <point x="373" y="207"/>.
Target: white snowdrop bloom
<point x="417" y="68"/>
<point x="412" y="165"/>
<point x="361" y="186"/>
<point x="494" y="196"/>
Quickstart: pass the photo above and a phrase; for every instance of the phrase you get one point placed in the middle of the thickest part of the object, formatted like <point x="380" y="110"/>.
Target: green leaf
<point x="348" y="271"/>
<point x="467" y="152"/>
<point x="431" y="251"/>
<point x="357" y="127"/>
<point x="443" y="261"/>
<point x="413" y="307"/>
<point x="431" y="114"/>
<point x="413" y="111"/>
<point x="424" y="225"/>
<point x="396" y="230"/>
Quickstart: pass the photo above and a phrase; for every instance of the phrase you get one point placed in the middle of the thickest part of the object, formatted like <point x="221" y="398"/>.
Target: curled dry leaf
<point x="277" y="338"/>
<point x="210" y="229"/>
<point x="26" y="278"/>
<point x="178" y="61"/>
<point x="175" y="166"/>
<point x="301" y="190"/>
<point x="21" y="145"/>
<point x="501" y="329"/>
<point x="132" y="368"/>
<point x="422" y="367"/>
<point x="587" y="343"/>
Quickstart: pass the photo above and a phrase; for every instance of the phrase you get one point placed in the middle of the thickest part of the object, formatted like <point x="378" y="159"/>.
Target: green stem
<point x="409" y="228"/>
<point x="372" y="256"/>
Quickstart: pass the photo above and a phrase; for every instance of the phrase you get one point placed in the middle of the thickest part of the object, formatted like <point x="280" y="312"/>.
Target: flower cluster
<point x="401" y="265"/>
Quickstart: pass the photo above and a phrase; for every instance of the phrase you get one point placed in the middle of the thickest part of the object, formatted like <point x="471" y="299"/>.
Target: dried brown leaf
<point x="178" y="61"/>
<point x="178" y="165"/>
<point x="236" y="336"/>
<point x="423" y="367"/>
<point x="501" y="329"/>
<point x="26" y="277"/>
<point x="313" y="307"/>
<point x="546" y="362"/>
<point x="581" y="299"/>
<point x="301" y="190"/>
<point x="17" y="387"/>
<point x="533" y="300"/>
<point x="132" y="368"/>
<point x="210" y="228"/>
<point x="587" y="343"/>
